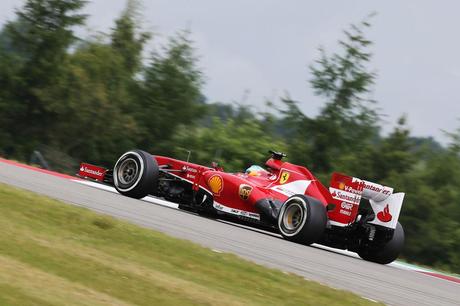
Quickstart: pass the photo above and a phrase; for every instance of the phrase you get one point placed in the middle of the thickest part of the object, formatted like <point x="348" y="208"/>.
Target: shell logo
<point x="341" y="185"/>
<point x="216" y="184"/>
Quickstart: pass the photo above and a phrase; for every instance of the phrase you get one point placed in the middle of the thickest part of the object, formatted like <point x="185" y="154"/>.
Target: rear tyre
<point x="136" y="174"/>
<point x="302" y="219"/>
<point x="388" y="252"/>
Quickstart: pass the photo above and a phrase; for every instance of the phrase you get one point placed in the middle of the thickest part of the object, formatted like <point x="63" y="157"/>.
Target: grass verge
<point x="52" y="253"/>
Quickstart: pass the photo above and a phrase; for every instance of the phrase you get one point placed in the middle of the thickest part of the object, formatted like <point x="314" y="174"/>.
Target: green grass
<point x="57" y="254"/>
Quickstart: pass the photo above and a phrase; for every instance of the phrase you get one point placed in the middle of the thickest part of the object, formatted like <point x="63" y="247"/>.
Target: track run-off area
<point x="394" y="284"/>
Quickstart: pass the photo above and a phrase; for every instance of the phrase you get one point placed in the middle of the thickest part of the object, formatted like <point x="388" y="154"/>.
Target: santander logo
<point x="345" y="196"/>
<point x="385" y="215"/>
<point x="91" y="171"/>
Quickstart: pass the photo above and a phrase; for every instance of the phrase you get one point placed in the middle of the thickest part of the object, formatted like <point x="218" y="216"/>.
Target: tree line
<point x="92" y="99"/>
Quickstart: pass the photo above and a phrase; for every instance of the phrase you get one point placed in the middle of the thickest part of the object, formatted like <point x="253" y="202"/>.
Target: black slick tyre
<point x="302" y="219"/>
<point x="136" y="174"/>
<point x="388" y="252"/>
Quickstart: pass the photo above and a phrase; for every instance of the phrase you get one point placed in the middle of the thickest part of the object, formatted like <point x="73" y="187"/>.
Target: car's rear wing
<point x="347" y="191"/>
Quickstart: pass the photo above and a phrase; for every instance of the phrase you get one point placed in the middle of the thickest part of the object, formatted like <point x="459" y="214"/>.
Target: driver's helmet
<point x="255" y="170"/>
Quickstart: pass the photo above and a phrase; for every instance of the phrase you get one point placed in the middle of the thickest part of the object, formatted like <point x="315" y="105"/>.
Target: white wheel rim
<point x="293" y="216"/>
<point x="127" y="171"/>
<point x="118" y="170"/>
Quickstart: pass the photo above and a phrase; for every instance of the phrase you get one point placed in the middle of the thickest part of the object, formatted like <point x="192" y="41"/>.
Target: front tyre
<point x="387" y="252"/>
<point x="135" y="174"/>
<point x="302" y="219"/>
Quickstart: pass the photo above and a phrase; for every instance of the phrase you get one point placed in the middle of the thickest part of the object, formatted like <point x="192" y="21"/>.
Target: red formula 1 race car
<point x="351" y="214"/>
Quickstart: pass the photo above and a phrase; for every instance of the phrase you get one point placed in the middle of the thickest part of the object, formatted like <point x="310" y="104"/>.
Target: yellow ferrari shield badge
<point x="284" y="177"/>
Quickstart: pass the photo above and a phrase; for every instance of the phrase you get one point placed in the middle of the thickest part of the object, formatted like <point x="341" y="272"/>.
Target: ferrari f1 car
<point x="351" y="214"/>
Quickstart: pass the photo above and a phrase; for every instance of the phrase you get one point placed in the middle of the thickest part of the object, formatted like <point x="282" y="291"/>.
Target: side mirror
<point x="216" y="166"/>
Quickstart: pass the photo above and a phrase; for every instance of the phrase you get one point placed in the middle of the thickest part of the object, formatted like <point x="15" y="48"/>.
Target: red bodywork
<point x="237" y="193"/>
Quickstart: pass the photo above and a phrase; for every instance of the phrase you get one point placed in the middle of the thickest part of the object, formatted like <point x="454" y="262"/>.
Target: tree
<point x="430" y="213"/>
<point x="171" y="94"/>
<point x="348" y="120"/>
<point x="9" y="63"/>
<point x="127" y="39"/>
<point x="297" y="132"/>
<point x="96" y="121"/>
<point x="394" y="154"/>
<point x="233" y="144"/>
<point x="42" y="34"/>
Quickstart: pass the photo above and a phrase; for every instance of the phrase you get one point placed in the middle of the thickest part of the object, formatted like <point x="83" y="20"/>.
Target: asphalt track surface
<point x="388" y="284"/>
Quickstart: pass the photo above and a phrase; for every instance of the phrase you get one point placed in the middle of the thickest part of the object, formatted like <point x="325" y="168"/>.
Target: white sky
<point x="265" y="47"/>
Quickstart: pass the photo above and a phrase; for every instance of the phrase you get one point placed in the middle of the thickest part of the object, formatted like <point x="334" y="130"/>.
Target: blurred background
<point x="365" y="89"/>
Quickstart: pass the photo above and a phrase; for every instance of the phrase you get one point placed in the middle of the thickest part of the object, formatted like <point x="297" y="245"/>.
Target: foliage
<point x="234" y="144"/>
<point x="91" y="102"/>
<point x="431" y="210"/>
<point x="348" y="119"/>
<point x="40" y="36"/>
<point x="171" y="93"/>
<point x="127" y="40"/>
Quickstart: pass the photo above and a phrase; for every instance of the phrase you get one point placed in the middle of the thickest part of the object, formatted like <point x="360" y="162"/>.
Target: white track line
<point x="111" y="189"/>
